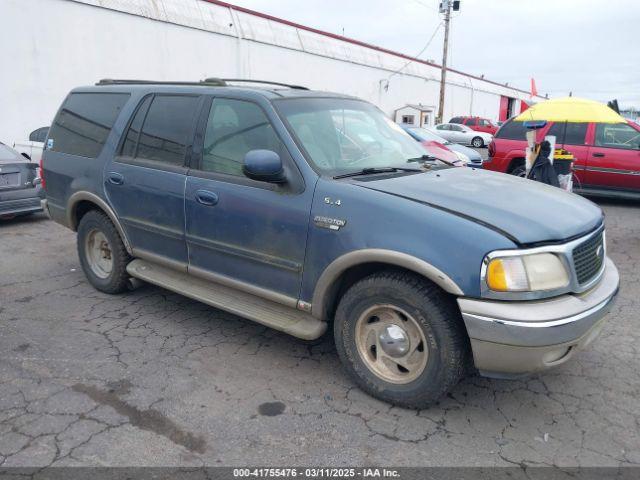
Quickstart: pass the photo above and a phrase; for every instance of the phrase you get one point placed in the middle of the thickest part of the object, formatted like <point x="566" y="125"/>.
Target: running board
<point x="279" y="317"/>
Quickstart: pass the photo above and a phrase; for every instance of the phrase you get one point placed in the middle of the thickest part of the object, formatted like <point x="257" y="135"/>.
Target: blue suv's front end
<point x="525" y="261"/>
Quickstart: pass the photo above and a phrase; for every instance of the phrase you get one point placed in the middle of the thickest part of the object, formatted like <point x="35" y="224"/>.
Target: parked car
<point x="20" y="189"/>
<point x="243" y="198"/>
<point x="427" y="137"/>
<point x="32" y="148"/>
<point x="464" y="135"/>
<point x="477" y="123"/>
<point x="607" y="156"/>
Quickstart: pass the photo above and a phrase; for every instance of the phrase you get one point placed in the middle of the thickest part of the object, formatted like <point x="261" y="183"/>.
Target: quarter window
<point x="617" y="135"/>
<point x="84" y="122"/>
<point x="167" y="129"/>
<point x="512" y="131"/>
<point x="234" y="128"/>
<point x="131" y="140"/>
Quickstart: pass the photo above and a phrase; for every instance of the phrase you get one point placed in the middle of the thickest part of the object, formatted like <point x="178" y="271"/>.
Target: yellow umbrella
<point x="570" y="109"/>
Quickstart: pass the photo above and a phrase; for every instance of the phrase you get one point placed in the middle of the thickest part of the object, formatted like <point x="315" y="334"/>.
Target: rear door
<point x="613" y="161"/>
<point x="240" y="230"/>
<point x="146" y="181"/>
<point x="573" y="138"/>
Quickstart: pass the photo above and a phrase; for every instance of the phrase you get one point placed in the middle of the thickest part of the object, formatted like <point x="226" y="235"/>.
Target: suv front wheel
<point x="401" y="339"/>
<point x="102" y="254"/>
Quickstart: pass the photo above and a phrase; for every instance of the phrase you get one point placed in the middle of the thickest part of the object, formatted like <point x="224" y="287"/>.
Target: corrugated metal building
<point x="51" y="46"/>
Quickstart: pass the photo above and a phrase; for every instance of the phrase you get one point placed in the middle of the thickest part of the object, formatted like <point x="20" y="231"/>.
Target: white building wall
<point x="49" y="47"/>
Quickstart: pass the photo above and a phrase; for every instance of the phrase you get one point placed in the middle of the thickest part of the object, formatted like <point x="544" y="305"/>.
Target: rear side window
<point x="512" y="131"/>
<point x="84" y="122"/>
<point x="472" y="122"/>
<point x="167" y="129"/>
<point x="456" y="120"/>
<point x="569" y="133"/>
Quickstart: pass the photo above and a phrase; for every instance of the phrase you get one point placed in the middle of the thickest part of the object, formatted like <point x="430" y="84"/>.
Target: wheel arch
<point x="357" y="264"/>
<point x="81" y="202"/>
<point x="514" y="162"/>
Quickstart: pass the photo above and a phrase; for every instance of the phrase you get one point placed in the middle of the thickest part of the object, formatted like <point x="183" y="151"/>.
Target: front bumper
<point x="510" y="339"/>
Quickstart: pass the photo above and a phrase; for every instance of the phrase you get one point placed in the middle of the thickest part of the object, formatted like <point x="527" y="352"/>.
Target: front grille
<point x="588" y="258"/>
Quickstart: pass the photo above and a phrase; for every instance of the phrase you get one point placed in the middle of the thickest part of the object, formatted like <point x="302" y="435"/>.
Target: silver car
<point x="464" y="135"/>
<point x="20" y="185"/>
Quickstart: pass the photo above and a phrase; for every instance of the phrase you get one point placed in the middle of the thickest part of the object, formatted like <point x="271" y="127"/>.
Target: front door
<point x="614" y="159"/>
<point x="249" y="232"/>
<point x="146" y="182"/>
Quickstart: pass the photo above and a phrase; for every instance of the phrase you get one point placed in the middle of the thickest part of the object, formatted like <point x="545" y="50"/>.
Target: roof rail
<point x="264" y="82"/>
<point x="207" y="82"/>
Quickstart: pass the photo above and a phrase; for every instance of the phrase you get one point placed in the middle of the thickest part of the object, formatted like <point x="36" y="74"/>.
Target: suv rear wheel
<point x="102" y="254"/>
<point x="401" y="339"/>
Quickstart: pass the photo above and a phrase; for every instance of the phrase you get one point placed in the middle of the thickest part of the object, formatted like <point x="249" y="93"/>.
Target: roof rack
<point x="207" y="82"/>
<point x="264" y="82"/>
<point x="215" y="82"/>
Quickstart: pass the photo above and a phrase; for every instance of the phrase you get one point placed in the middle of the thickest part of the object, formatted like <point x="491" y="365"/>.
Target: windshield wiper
<point x="429" y="158"/>
<point x="372" y="170"/>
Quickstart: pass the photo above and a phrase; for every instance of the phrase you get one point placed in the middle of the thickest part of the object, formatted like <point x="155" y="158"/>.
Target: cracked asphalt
<point x="150" y="378"/>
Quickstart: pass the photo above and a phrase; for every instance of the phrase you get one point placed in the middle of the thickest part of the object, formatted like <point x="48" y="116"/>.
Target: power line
<point x="433" y="35"/>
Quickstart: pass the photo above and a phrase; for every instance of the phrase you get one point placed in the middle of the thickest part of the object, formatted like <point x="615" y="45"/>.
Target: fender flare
<point x="82" y="195"/>
<point x="375" y="255"/>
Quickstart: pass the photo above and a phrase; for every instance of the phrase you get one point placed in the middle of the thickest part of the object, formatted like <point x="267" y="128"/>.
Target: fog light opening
<point x="557" y="355"/>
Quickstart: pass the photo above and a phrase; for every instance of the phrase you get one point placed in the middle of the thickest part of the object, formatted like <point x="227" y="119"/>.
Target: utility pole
<point x="445" y="7"/>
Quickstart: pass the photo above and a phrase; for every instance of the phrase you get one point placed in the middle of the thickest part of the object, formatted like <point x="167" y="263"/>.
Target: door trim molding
<point x="252" y="255"/>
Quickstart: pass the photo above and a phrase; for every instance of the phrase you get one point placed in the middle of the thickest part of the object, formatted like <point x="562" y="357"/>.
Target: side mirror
<point x="264" y="166"/>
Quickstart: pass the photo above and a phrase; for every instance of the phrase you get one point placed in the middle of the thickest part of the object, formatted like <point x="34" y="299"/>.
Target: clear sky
<point x="588" y="47"/>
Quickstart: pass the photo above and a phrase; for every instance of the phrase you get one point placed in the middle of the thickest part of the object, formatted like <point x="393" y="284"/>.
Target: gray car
<point x="20" y="187"/>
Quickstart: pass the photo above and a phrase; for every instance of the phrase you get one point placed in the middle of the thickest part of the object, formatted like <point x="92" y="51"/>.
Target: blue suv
<point x="301" y="209"/>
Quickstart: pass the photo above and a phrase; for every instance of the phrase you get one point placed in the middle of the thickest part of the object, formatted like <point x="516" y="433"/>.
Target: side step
<point x="279" y="317"/>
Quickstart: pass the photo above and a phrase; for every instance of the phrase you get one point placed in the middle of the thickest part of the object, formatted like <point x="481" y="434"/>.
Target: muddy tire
<point x="401" y="339"/>
<point x="102" y="254"/>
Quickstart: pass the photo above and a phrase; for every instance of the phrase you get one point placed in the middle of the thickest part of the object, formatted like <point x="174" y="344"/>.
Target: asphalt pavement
<point x="153" y="378"/>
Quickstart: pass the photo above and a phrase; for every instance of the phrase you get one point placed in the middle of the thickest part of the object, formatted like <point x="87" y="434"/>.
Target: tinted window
<point x="512" y="131"/>
<point x="456" y="120"/>
<point x="167" y="129"/>
<point x="39" y="135"/>
<point x="84" y="122"/>
<point x="569" y="133"/>
<point x="234" y="128"/>
<point x="472" y="121"/>
<point x="131" y="141"/>
<point x="617" y="135"/>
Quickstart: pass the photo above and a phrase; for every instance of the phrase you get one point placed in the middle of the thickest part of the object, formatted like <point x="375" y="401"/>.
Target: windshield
<point x="426" y="136"/>
<point x="342" y="135"/>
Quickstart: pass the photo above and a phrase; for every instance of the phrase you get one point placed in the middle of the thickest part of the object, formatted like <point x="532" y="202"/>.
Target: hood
<point x="525" y="211"/>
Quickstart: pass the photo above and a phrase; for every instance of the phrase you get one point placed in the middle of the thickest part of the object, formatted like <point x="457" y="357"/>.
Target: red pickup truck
<point x="607" y="155"/>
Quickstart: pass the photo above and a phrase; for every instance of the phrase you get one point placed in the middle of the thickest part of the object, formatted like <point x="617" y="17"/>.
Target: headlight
<point x="462" y="157"/>
<point x="527" y="273"/>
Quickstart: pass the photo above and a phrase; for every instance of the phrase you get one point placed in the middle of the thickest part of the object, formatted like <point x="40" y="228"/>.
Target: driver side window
<point x="234" y="128"/>
<point x="617" y="135"/>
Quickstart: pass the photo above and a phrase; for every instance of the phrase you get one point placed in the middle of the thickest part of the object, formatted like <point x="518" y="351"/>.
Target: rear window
<point x="512" y="131"/>
<point x="84" y="122"/>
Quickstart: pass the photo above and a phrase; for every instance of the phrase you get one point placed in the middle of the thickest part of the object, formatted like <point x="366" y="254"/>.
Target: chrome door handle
<point x="206" y="197"/>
